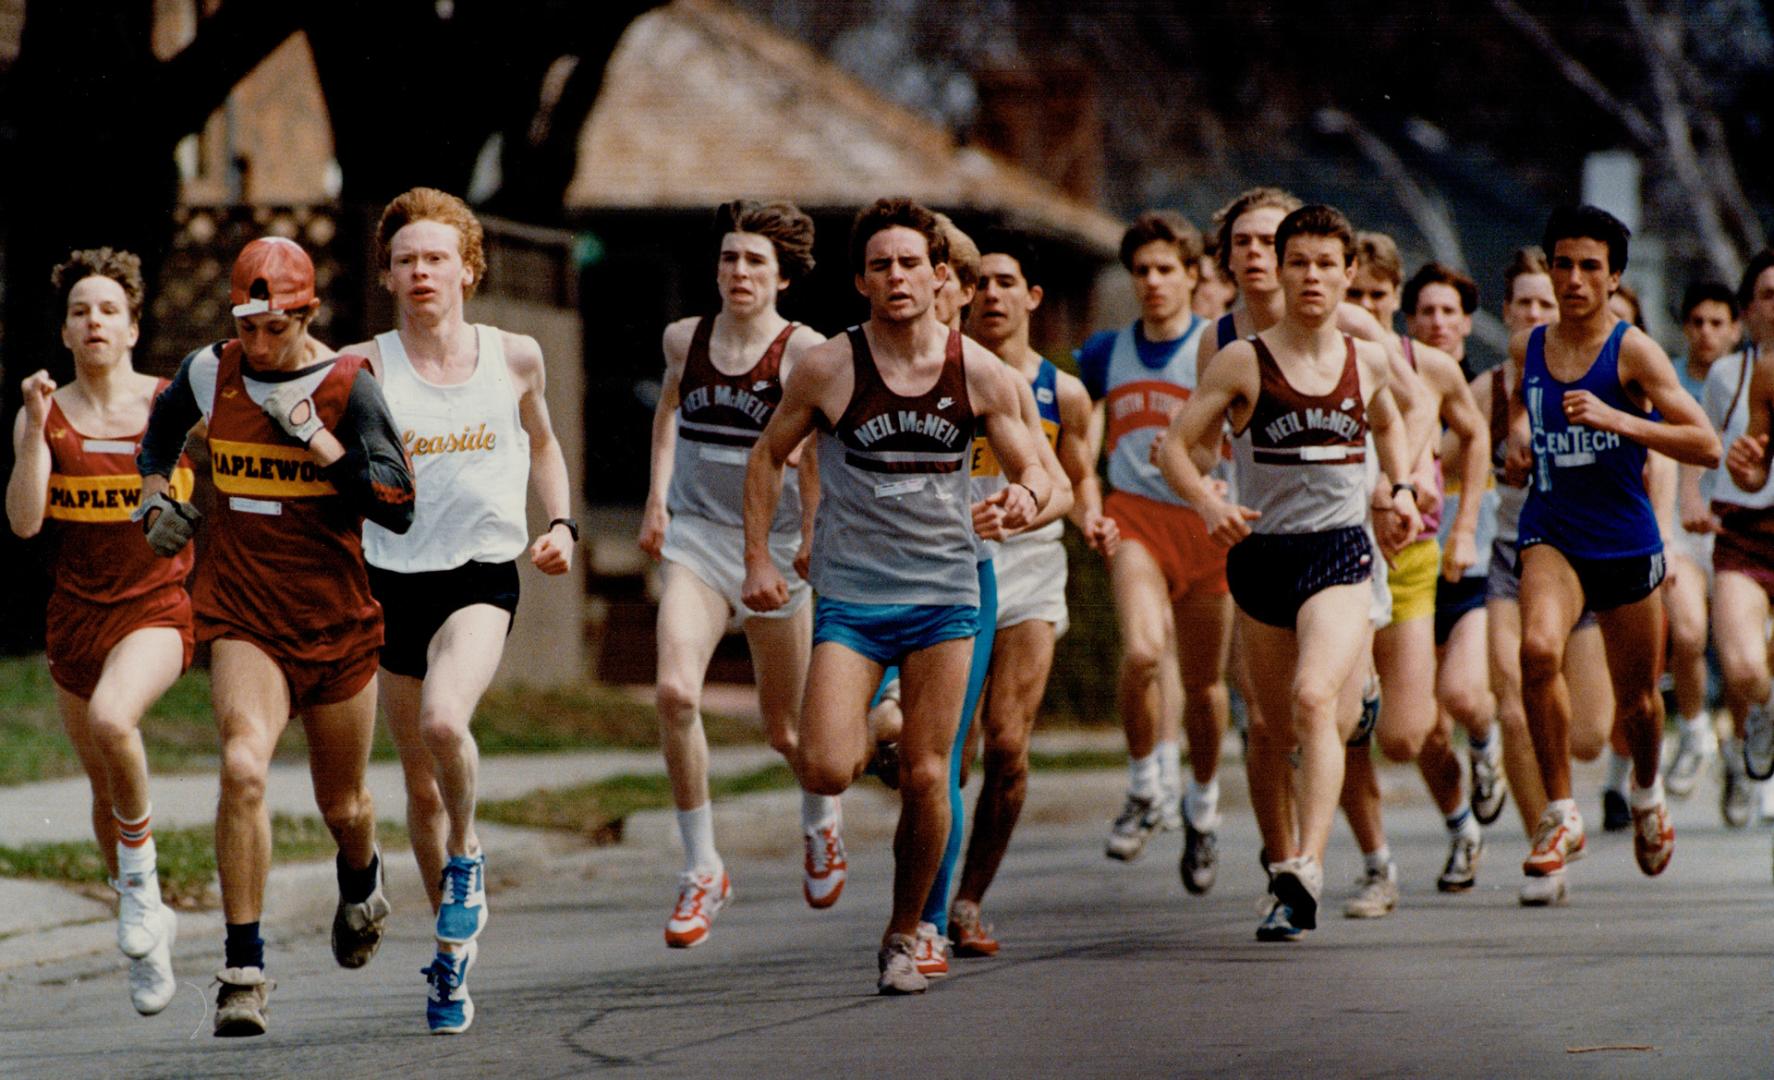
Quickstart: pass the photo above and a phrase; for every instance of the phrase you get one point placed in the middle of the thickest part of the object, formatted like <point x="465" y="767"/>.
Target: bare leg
<point x="1551" y="600"/>
<point x="251" y="701"/>
<point x="1633" y="635"/>
<point x="934" y="683"/>
<point x="1142" y="611"/>
<point x="339" y="737"/>
<point x="428" y="822"/>
<point x="692" y="619"/>
<point x="1205" y="622"/>
<point x="1740" y="621"/>
<point x="1021" y="661"/>
<point x="780" y="652"/>
<point x="1685" y="600"/>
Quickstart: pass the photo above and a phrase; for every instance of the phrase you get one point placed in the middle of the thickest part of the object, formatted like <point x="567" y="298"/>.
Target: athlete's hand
<point x="764" y="588"/>
<point x="988" y="518"/>
<point x="1429" y="493"/>
<point x="553" y="551"/>
<point x="1697" y="517"/>
<point x="1227" y="523"/>
<point x="1408" y="515"/>
<point x="168" y="523"/>
<point x="654" y="519"/>
<point x="1518" y="461"/>
<point x="36" y="391"/>
<point x="1459" y="557"/>
<point x="1747" y="462"/>
<point x="1102" y="534"/>
<point x="1583" y="407"/>
<point x="292" y="407"/>
<point x="1389" y="532"/>
<point x="1018" y="504"/>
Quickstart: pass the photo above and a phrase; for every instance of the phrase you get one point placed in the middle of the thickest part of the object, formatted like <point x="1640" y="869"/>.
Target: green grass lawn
<point x="186" y="857"/>
<point x="597" y="810"/>
<point x="180" y="736"/>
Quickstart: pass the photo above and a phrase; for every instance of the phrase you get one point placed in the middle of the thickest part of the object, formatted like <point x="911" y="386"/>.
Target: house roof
<point x="702" y="104"/>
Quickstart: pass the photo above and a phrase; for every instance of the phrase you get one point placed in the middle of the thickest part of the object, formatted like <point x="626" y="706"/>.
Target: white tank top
<point x="471" y="463"/>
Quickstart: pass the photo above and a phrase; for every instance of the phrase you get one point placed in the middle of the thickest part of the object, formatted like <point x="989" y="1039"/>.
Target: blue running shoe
<point x="464" y="909"/>
<point x="448" y="1008"/>
<point x="1370" y="712"/>
<point x="1278" y="925"/>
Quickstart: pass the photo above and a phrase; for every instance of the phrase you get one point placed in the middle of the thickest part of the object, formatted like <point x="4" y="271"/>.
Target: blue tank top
<point x="1587" y="496"/>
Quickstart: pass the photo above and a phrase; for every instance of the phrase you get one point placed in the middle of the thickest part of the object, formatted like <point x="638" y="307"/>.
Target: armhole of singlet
<point x="773" y="355"/>
<point x="1265" y="364"/>
<point x="862" y="366"/>
<point x="957" y="351"/>
<point x="696" y="354"/>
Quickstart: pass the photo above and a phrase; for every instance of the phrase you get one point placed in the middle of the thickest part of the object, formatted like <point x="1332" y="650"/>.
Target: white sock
<point x="1640" y="798"/>
<point x="1697" y="724"/>
<point x="1377" y="860"/>
<point x="136" y="855"/>
<point x="1170" y="767"/>
<point x="697" y="828"/>
<point x="1462" y="823"/>
<point x="1562" y="807"/>
<point x="1619" y="768"/>
<point x="1142" y="776"/>
<point x="818" y="811"/>
<point x="1201" y="804"/>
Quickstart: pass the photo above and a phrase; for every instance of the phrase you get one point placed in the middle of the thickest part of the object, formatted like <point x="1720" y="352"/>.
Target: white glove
<point x="293" y="408"/>
<point x="172" y="528"/>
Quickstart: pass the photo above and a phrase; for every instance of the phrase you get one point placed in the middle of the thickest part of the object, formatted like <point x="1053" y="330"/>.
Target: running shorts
<point x="415" y="607"/>
<point x="1745" y="545"/>
<point x="79" y="634"/>
<point x="1616" y="582"/>
<point x="887" y="633"/>
<point x="715" y="553"/>
<point x="1032" y="584"/>
<point x="310" y="682"/>
<point x="1412" y="577"/>
<point x="1273" y="575"/>
<point x="1176" y="538"/>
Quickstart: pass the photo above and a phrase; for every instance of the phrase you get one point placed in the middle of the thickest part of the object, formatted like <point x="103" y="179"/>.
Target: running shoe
<point x="1489" y="792"/>
<point x="933" y="952"/>
<point x="243" y="1001"/>
<point x="1737" y="794"/>
<point x="1376" y="894"/>
<point x="1297" y="882"/>
<point x="138" y="914"/>
<point x="1278" y="924"/>
<point x="1616" y="814"/>
<point x="1653" y="837"/>
<point x="464" y="909"/>
<point x="1544" y="891"/>
<point x="1201" y="858"/>
<point x="1140" y="817"/>
<point x="1461" y="869"/>
<point x="700" y="898"/>
<point x="1558" y="842"/>
<point x="1758" y="743"/>
<point x="357" y="928"/>
<point x="824" y="867"/>
<point x="448" y="1008"/>
<point x="1692" y="751"/>
<point x="151" y="981"/>
<point x="1170" y="807"/>
<point x="898" y="960"/>
<point x="970" y="936"/>
<point x="1370" y="712"/>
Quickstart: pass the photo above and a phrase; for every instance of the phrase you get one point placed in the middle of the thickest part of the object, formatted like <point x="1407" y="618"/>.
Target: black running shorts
<point x="1273" y="575"/>
<point x="415" y="606"/>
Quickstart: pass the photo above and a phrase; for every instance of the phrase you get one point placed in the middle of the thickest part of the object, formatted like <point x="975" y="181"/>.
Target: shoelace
<point x="822" y="849"/>
<point x="458" y="882"/>
<point x="1133" y="810"/>
<point x="690" y="900"/>
<point x="443" y="977"/>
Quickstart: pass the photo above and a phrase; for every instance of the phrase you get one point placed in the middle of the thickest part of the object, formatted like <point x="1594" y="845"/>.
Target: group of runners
<point x="1372" y="544"/>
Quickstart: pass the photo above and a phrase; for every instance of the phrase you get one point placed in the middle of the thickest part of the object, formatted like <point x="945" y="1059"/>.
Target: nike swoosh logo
<point x="945" y="402"/>
<point x="760" y="386"/>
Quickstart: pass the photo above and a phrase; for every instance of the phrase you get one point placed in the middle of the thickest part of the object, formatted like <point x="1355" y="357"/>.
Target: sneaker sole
<point x="821" y="903"/>
<point x="457" y="1029"/>
<point x="977" y="951"/>
<point x="1290" y="890"/>
<point x="1556" y="899"/>
<point x="239" y="1029"/>
<point x="1444" y="885"/>
<point x="1490" y="818"/>
<point x="889" y="990"/>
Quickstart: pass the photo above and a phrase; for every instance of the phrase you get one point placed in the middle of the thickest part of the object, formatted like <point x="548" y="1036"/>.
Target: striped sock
<point x="135" y="845"/>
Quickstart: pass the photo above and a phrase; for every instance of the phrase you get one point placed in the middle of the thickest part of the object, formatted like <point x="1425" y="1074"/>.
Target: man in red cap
<point x="302" y="450"/>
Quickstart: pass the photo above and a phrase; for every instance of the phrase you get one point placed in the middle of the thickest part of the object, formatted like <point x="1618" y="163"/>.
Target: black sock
<point x="355" y="886"/>
<point x="243" y="946"/>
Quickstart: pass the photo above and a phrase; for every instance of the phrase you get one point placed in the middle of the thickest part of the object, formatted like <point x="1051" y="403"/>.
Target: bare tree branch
<point x="1634" y="121"/>
<point x="1428" y="211"/>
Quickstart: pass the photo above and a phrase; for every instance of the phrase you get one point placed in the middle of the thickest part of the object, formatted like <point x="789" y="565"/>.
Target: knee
<point x="1399" y="746"/>
<point x="823" y="777"/>
<point x="677" y="700"/>
<point x="243" y="772"/>
<point x="1743" y="669"/>
<point x="442" y="731"/>
<point x="345" y="809"/>
<point x="1314" y="698"/>
<point x="107" y="725"/>
<point x="782" y="738"/>
<point x="1636" y="707"/>
<point x="424" y="800"/>
<point x="1467" y="704"/>
<point x="1587" y="744"/>
<point x="1542" y="658"/>
<point x="1007" y="762"/>
<point x="1139" y="661"/>
<point x="923" y="775"/>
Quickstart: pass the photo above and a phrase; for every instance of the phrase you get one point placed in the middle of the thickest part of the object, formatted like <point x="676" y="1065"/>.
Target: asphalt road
<point x="1107" y="970"/>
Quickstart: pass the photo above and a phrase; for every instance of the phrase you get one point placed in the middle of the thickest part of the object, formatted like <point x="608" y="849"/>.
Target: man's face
<point x="897" y="276"/>
<point x="1580" y="276"/>
<point x="1375" y="294"/>
<point x="273" y="340"/>
<point x="1710" y="330"/>
<point x="1314" y="276"/>
<point x="1214" y="293"/>
<point x="1531" y="303"/>
<point x="97" y="326"/>
<point x="1005" y="299"/>
<point x="952" y="298"/>
<point x="1162" y="282"/>
<point x="1252" y="256"/>
<point x="425" y="269"/>
<point x="748" y="273"/>
<point x="1760" y="312"/>
<point x="1440" y="320"/>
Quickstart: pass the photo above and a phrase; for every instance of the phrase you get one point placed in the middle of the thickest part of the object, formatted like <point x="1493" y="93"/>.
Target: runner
<point x="469" y="401"/>
<point x="302" y="450"/>
<point x="1299" y="571"/>
<point x="1215" y="293"/>
<point x="723" y="379"/>
<point x="1169" y="578"/>
<point x="118" y="627"/>
<point x="1710" y="328"/>
<point x="1587" y="535"/>
<point x="1031" y="578"/>
<point x="1405" y="651"/>
<point x="1737" y="402"/>
<point x="894" y="564"/>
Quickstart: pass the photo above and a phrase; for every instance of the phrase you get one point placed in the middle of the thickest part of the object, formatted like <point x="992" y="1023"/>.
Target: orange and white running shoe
<point x="700" y="898"/>
<point x="824" y="866"/>
<point x="1558" y="842"/>
<point x="932" y="955"/>
<point x="1653" y="836"/>
<point x="970" y="936"/>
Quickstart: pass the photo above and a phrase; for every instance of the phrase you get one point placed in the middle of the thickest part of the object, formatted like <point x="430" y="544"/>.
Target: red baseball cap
<point x="272" y="275"/>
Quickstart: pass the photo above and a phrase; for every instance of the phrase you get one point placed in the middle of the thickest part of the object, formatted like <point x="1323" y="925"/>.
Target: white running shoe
<point x="1693" y="749"/>
<point x="1170" y="805"/>
<point x="1544" y="891"/>
<point x="1376" y="894"/>
<point x="151" y="981"/>
<point x="138" y="919"/>
<point x="824" y="866"/>
<point x="899" y="967"/>
<point x="1140" y="817"/>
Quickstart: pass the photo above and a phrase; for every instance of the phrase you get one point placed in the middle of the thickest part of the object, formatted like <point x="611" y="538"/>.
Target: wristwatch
<point x="1403" y="485"/>
<point x="572" y="526"/>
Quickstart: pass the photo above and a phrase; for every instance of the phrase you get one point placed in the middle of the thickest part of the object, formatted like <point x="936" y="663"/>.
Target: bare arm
<point x="552" y="552"/>
<point x="1225" y="388"/>
<point x="802" y="397"/>
<point x="1414" y="401"/>
<point x="1060" y="503"/>
<point x="1684" y="433"/>
<point x="27" y="489"/>
<point x="1391" y="443"/>
<point x="1459" y="412"/>
<point x="992" y="388"/>
<point x="1748" y="460"/>
<point x="655" y="517"/>
<point x="1660" y="485"/>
